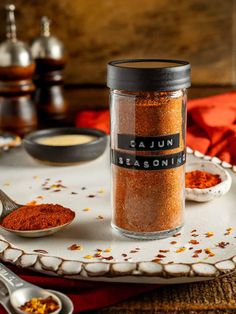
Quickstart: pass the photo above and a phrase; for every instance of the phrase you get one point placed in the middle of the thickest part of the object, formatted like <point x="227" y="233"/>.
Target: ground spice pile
<point x="40" y="306"/>
<point x="201" y="179"/>
<point x="37" y="217"/>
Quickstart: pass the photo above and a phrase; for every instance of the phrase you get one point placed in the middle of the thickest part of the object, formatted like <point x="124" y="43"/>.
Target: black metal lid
<point x="148" y="75"/>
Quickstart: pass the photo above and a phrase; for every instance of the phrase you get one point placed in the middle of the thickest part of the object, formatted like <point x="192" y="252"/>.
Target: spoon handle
<point x="11" y="281"/>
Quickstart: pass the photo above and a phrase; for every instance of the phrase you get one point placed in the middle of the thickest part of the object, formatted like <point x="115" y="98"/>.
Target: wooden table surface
<point x="210" y="297"/>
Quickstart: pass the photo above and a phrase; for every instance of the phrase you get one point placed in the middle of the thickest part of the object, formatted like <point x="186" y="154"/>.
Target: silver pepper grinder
<point x="17" y="111"/>
<point x="48" y="53"/>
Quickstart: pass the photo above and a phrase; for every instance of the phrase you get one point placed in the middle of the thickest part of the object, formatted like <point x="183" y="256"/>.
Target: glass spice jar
<point x="148" y="123"/>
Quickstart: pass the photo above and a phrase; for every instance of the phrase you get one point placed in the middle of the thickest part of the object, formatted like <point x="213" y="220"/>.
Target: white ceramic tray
<point x="205" y="249"/>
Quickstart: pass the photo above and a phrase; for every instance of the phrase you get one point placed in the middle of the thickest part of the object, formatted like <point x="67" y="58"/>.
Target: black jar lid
<point x="148" y="75"/>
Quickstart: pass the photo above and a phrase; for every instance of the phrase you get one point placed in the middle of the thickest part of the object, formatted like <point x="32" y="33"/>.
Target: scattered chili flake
<point x="171" y="262"/>
<point x="57" y="190"/>
<point x="127" y="259"/>
<point x="100" y="217"/>
<point x="181" y="249"/>
<point x="91" y="195"/>
<point x="40" y="305"/>
<point x="209" y="234"/>
<point x="75" y="247"/>
<point x="195" y="242"/>
<point x="212" y="254"/>
<point x="195" y="235"/>
<point x="164" y="251"/>
<point x="88" y="256"/>
<point x="133" y="251"/>
<point x="229" y="231"/>
<point x="137" y="248"/>
<point x="173" y="242"/>
<point x="222" y="244"/>
<point x="83" y="188"/>
<point x="98" y="254"/>
<point x="207" y="251"/>
<point x="86" y="209"/>
<point x="195" y="255"/>
<point x="73" y="193"/>
<point x="108" y="250"/>
<point x="124" y="255"/>
<point x="193" y="231"/>
<point x="176" y="235"/>
<point x="41" y="251"/>
<point x="157" y="260"/>
<point x="41" y="197"/>
<point x="99" y="250"/>
<point x="31" y="203"/>
<point x="190" y="248"/>
<point x="160" y="256"/>
<point x="198" y="251"/>
<point x="109" y="258"/>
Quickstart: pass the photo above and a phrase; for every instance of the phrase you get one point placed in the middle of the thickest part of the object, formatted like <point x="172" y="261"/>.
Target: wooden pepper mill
<point x="17" y="111"/>
<point x="48" y="53"/>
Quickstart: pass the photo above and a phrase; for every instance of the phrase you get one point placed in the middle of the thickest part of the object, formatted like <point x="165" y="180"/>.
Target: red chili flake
<point x="164" y="251"/>
<point x="75" y="247"/>
<point x="137" y="248"/>
<point x="157" y="260"/>
<point x="109" y="258"/>
<point x="176" y="235"/>
<point x="193" y="242"/>
<point x="190" y="248"/>
<point x="171" y="262"/>
<point x="91" y="195"/>
<point x="193" y="231"/>
<point x="124" y="255"/>
<point x="99" y="250"/>
<point x="173" y="242"/>
<point x="41" y="251"/>
<point x="195" y="235"/>
<point x="46" y="189"/>
<point x="74" y="193"/>
<point x="160" y="256"/>
<point x="198" y="251"/>
<point x="207" y="251"/>
<point x="98" y="254"/>
<point x="133" y="251"/>
<point x="195" y="255"/>
<point x="100" y="217"/>
<point x="222" y="244"/>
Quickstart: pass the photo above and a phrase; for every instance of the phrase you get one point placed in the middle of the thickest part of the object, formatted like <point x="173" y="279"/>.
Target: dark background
<point x="95" y="31"/>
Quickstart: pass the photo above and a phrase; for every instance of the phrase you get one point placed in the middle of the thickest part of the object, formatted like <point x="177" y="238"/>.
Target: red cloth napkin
<point x="85" y="295"/>
<point x="211" y="125"/>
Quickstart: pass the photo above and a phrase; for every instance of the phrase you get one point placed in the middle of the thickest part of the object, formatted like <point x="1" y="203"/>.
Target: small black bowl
<point x="65" y="155"/>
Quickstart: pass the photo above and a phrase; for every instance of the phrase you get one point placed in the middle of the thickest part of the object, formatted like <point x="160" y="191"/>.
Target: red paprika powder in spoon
<point x="38" y="217"/>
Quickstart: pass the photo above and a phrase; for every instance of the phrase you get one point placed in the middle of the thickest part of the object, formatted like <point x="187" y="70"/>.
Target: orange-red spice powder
<point x="37" y="217"/>
<point x="201" y="179"/>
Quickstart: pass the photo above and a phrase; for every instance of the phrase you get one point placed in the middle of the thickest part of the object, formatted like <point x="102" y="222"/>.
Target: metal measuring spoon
<point x="8" y="206"/>
<point x="21" y="291"/>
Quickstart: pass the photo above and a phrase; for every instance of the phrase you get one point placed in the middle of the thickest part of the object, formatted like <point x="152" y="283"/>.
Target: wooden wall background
<point x="95" y="31"/>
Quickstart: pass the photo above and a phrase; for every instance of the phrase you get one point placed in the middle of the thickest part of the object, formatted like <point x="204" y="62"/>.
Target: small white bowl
<point x="205" y="195"/>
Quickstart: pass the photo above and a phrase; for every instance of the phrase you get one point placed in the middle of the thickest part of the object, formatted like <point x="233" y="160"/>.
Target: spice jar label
<point x="148" y="143"/>
<point x="152" y="162"/>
